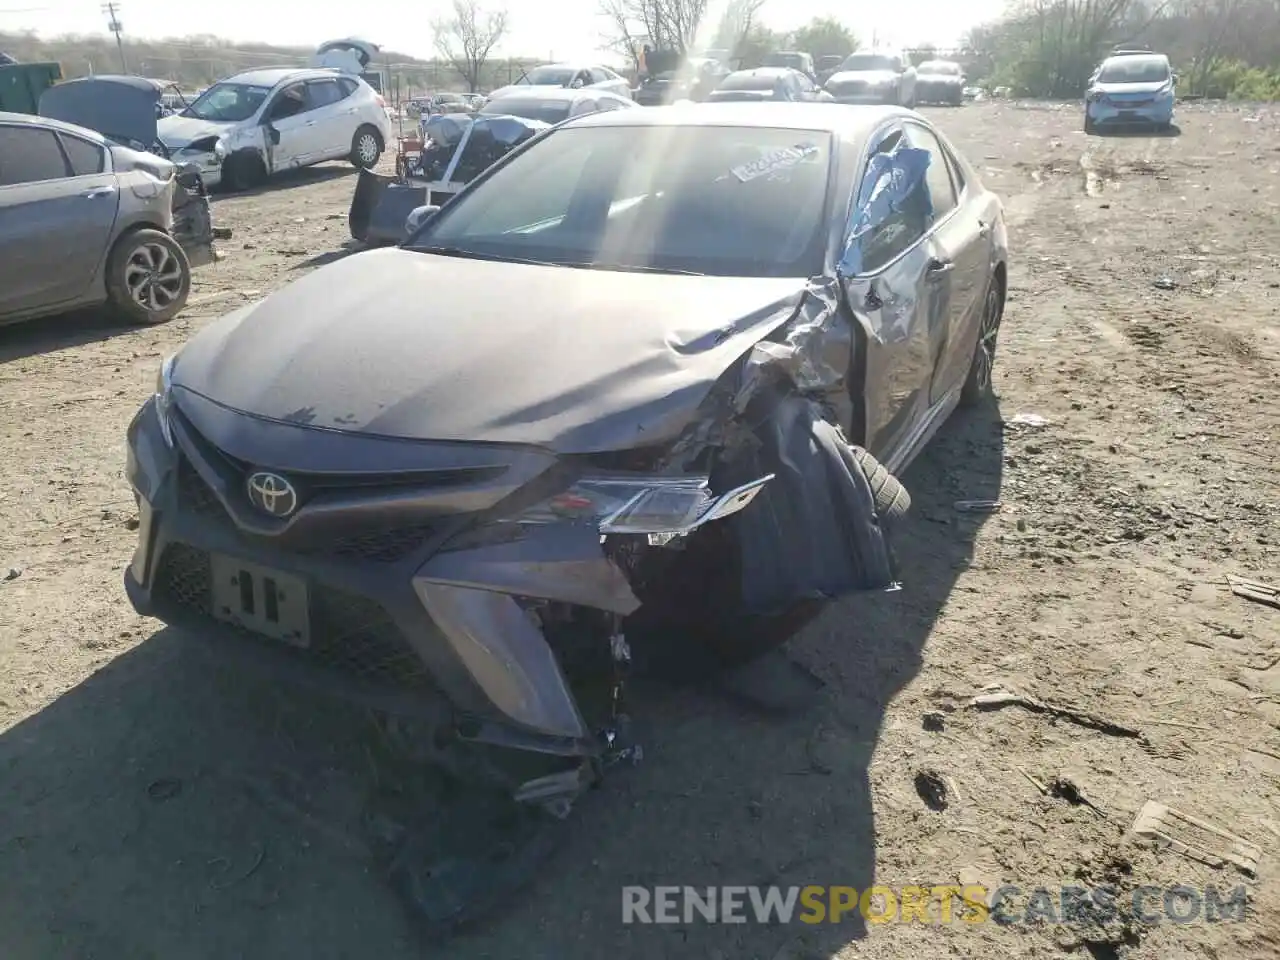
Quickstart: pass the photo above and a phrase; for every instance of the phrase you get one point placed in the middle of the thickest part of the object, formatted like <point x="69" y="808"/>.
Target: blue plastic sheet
<point x="891" y="178"/>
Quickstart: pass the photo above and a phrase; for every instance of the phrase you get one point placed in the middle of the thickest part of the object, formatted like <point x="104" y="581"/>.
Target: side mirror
<point x="274" y="135"/>
<point x="418" y="216"/>
<point x="1175" y="78"/>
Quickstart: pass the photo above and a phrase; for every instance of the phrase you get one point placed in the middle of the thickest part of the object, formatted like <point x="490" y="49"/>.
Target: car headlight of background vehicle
<point x="164" y="398"/>
<point x="1093" y="96"/>
<point x="660" y="507"/>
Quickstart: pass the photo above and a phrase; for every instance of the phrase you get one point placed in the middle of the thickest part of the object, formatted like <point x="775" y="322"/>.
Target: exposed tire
<point x="1090" y="127"/>
<point x="243" y="171"/>
<point x="977" y="387"/>
<point x="366" y="148"/>
<point x="148" y="278"/>
<point x="892" y="499"/>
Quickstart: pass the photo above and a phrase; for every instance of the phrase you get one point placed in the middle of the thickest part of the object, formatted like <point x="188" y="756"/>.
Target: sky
<point x="556" y="29"/>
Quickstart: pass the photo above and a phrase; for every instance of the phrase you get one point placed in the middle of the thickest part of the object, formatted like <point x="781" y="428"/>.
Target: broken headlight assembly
<point x="164" y="398"/>
<point x="661" y="508"/>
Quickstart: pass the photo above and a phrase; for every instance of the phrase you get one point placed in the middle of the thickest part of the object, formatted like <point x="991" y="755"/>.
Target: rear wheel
<point x="366" y="148"/>
<point x="148" y="278"/>
<point x="977" y="388"/>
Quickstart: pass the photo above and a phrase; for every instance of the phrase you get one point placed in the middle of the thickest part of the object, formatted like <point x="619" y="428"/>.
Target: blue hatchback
<point x="1130" y="88"/>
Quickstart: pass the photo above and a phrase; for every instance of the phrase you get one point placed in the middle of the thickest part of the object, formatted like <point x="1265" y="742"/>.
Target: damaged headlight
<point x="220" y="149"/>
<point x="661" y="507"/>
<point x="164" y="398"/>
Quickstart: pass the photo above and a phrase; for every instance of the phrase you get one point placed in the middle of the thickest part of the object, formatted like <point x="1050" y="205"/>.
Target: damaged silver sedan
<point x="638" y="391"/>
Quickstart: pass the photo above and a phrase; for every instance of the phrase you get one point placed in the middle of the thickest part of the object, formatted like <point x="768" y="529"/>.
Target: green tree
<point x="824" y="36"/>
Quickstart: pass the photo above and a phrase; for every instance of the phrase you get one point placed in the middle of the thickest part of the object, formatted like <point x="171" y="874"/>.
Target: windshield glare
<point x="727" y="201"/>
<point x="869" y="61"/>
<point x="1134" y="70"/>
<point x="940" y="67"/>
<point x="549" y="77"/>
<point x="228" y="103"/>
<point x="548" y="111"/>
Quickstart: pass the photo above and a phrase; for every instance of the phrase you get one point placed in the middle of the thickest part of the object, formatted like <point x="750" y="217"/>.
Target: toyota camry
<point x="641" y="389"/>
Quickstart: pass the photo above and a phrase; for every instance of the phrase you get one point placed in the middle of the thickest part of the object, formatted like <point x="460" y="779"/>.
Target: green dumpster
<point x="22" y="83"/>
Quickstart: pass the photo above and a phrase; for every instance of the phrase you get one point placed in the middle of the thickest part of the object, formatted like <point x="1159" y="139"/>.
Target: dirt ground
<point x="154" y="804"/>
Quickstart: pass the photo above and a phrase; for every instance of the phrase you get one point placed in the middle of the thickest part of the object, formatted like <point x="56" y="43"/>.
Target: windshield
<point x="548" y="111"/>
<point x="793" y="60"/>
<point x="749" y="81"/>
<point x="869" y="61"/>
<point x="549" y="76"/>
<point x="728" y="201"/>
<point x="228" y="102"/>
<point x="940" y="67"/>
<point x="1134" y="70"/>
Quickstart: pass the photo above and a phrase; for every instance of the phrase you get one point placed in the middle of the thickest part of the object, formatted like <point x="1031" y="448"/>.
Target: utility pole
<point x="113" y="24"/>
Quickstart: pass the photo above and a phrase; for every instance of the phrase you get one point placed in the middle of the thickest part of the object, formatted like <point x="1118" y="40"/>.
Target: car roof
<point x="1136" y="55"/>
<point x="532" y="92"/>
<point x="849" y="122"/>
<point x="270" y="76"/>
<point x="763" y="72"/>
<point x="30" y="120"/>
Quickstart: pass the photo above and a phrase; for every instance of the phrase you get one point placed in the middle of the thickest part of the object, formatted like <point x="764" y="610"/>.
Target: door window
<point x="599" y="76"/>
<point x="86" y="158"/>
<point x="291" y="102"/>
<point x="322" y="93"/>
<point x="891" y="228"/>
<point x="942" y="192"/>
<point x="29" y="155"/>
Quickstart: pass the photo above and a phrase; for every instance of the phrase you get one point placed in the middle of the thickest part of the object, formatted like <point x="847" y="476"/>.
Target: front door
<point x="55" y="219"/>
<point x="887" y="275"/>
<point x="960" y="239"/>
<point x="296" y="141"/>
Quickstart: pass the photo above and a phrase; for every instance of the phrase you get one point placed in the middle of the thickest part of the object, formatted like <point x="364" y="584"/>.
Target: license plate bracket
<point x="261" y="600"/>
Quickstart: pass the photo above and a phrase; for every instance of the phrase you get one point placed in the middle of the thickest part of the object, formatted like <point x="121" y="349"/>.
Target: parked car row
<point x="862" y="77"/>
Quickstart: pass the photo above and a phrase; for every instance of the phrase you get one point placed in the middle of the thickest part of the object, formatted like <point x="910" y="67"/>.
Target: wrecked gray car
<point x="125" y="110"/>
<point x="637" y="393"/>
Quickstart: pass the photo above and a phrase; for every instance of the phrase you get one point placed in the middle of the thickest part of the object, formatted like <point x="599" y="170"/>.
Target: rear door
<point x="56" y="218"/>
<point x="334" y="126"/>
<point x="960" y="245"/>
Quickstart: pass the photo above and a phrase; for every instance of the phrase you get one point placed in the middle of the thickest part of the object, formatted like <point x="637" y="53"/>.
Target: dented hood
<point x="401" y="344"/>
<point x="177" y="131"/>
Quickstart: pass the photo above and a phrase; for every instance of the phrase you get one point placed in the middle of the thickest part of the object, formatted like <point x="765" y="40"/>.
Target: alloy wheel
<point x="985" y="358"/>
<point x="367" y="149"/>
<point x="153" y="277"/>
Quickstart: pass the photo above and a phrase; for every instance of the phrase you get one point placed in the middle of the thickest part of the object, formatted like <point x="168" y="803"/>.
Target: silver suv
<point x="246" y="128"/>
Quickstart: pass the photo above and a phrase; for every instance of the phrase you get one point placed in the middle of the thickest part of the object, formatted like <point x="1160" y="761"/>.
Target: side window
<point x="599" y="76"/>
<point x="607" y="103"/>
<point x="29" y="155"/>
<point x="348" y="86"/>
<point x="894" y="228"/>
<point x="322" y="93"/>
<point x="942" y="192"/>
<point x="86" y="158"/>
<point x="290" y="102"/>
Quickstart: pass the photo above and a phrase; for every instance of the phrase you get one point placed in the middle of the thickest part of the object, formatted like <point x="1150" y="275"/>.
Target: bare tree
<point x="665" y="24"/>
<point x="466" y="39"/>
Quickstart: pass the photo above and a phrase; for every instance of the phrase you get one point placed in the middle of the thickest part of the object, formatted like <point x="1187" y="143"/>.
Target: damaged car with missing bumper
<point x="638" y="393"/>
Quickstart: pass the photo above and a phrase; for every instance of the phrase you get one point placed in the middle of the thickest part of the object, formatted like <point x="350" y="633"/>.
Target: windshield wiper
<point x="475" y="255"/>
<point x="639" y="268"/>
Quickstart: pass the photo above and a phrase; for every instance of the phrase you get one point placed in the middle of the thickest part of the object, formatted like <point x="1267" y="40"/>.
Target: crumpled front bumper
<point x="436" y="633"/>
<point x="208" y="162"/>
<point x="193" y="220"/>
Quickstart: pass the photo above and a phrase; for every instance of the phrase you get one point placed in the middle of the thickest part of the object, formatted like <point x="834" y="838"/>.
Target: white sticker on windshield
<point x="773" y="162"/>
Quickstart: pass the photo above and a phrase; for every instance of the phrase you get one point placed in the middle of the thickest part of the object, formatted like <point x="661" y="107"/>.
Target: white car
<point x="551" y="104"/>
<point x="571" y="76"/>
<point x="245" y="128"/>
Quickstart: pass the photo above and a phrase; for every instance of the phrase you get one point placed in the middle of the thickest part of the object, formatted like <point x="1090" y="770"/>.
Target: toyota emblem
<point x="272" y="493"/>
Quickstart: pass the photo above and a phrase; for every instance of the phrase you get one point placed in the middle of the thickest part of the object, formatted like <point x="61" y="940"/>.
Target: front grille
<point x="378" y="546"/>
<point x="348" y="632"/>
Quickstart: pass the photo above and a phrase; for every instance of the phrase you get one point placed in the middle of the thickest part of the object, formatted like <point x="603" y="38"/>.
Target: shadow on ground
<point x="169" y="806"/>
<point x="289" y="179"/>
<point x="58" y="332"/>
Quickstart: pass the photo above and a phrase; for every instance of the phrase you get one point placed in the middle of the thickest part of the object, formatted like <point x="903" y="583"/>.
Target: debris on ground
<point x="931" y="787"/>
<point x="1196" y="839"/>
<point x="1164" y="283"/>
<point x="14" y="573"/>
<point x="1029" y="420"/>
<point x="1256" y="591"/>
<point x="996" y="696"/>
<point x="933" y="721"/>
<point x="977" y="506"/>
